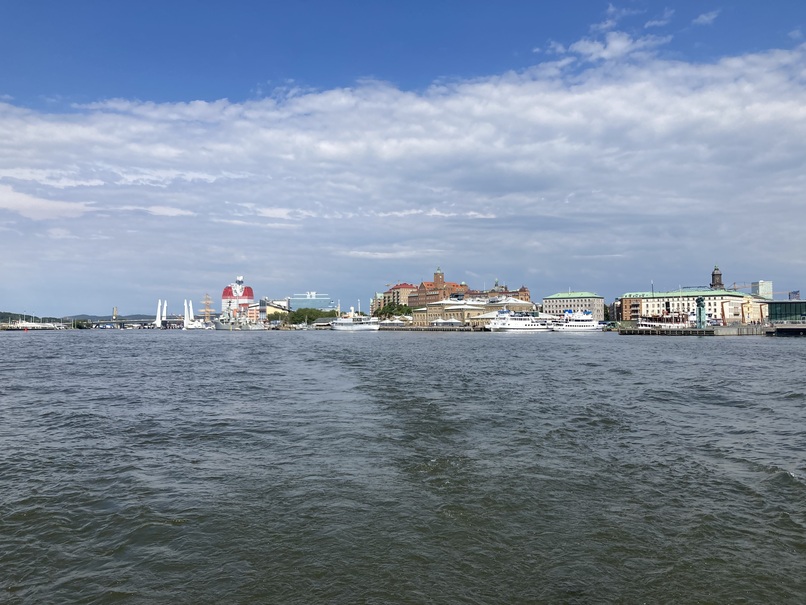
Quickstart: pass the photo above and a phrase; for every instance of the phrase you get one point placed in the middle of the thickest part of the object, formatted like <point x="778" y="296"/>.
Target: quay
<point x="666" y="332"/>
<point x="787" y="329"/>
<point x="739" y="330"/>
<point x="429" y="329"/>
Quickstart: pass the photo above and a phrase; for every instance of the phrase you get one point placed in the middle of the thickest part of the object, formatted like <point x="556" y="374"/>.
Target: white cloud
<point x="667" y="167"/>
<point x="167" y="211"/>
<point x="616" y="45"/>
<point x="706" y="18"/>
<point x="796" y="34"/>
<point x="284" y="213"/>
<point x="158" y="210"/>
<point x="37" y="208"/>
<point x="60" y="233"/>
<point x="252" y="224"/>
<point x="604" y="26"/>
<point x="388" y="255"/>
<point x="661" y="21"/>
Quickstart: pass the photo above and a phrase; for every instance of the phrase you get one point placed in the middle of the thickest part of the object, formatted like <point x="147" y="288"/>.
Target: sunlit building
<point x="559" y="303"/>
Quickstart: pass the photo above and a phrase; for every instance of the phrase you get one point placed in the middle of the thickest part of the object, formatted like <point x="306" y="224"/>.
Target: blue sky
<point x="158" y="149"/>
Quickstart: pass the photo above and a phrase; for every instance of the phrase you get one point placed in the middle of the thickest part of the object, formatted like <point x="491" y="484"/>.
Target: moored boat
<point x="231" y="322"/>
<point x="511" y="321"/>
<point x="668" y="322"/>
<point x="579" y="321"/>
<point x="355" y="322"/>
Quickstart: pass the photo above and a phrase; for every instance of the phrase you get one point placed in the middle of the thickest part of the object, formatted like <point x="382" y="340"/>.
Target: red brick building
<point x="433" y="291"/>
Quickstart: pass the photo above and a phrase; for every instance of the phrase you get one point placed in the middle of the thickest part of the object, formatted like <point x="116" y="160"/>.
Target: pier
<point x="666" y="332"/>
<point x="793" y="328"/>
<point x="738" y="330"/>
<point x="429" y="329"/>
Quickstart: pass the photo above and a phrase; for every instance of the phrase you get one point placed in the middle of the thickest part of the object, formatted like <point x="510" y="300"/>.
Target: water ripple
<point x="415" y="468"/>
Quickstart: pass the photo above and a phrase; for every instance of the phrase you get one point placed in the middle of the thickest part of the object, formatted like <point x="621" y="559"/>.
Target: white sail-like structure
<point x="158" y="317"/>
<point x="190" y="322"/>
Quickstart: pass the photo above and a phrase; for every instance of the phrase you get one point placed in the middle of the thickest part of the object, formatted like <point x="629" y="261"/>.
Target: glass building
<point x="312" y="300"/>
<point x="786" y="311"/>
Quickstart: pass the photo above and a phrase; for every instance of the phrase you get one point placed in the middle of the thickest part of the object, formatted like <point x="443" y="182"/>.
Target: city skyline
<point x="157" y="151"/>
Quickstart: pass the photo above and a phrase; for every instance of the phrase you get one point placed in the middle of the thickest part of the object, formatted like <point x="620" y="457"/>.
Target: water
<point x="322" y="467"/>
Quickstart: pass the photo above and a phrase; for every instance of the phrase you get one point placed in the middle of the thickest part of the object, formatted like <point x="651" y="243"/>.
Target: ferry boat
<point x="511" y="321"/>
<point x="579" y="321"/>
<point x="355" y="322"/>
<point x="667" y="322"/>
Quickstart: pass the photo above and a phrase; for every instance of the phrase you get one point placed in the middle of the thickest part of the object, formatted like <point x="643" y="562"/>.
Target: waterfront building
<point x="376" y="303"/>
<point x="557" y="304"/>
<point x="723" y="306"/>
<point x="475" y="311"/>
<point x="435" y="291"/>
<point x="398" y="294"/>
<point x="237" y="297"/>
<point x="499" y="291"/>
<point x="787" y="311"/>
<point x="268" y="307"/>
<point x="312" y="300"/>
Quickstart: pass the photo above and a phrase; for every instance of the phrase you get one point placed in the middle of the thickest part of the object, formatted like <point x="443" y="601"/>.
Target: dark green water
<point x="323" y="467"/>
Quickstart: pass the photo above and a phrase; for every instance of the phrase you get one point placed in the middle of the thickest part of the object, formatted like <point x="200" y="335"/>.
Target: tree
<point x="393" y="309"/>
<point x="308" y="316"/>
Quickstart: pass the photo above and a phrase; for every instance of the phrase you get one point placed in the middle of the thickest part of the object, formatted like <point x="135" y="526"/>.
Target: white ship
<point x="579" y="321"/>
<point x="674" y="321"/>
<point x="353" y="322"/>
<point x="510" y="321"/>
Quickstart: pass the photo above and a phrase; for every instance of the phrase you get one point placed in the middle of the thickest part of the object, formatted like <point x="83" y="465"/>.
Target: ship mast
<point x="207" y="309"/>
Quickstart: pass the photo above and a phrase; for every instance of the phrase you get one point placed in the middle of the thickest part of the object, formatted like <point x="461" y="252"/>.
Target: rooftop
<point x="561" y="295"/>
<point x="684" y="293"/>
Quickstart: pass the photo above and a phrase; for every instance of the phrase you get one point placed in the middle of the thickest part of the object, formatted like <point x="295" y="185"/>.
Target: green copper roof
<point x="573" y="295"/>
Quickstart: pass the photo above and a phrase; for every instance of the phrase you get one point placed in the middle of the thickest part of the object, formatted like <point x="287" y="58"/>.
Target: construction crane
<point x="736" y="287"/>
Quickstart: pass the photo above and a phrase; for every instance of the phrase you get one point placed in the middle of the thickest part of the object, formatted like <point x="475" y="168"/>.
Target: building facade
<point x="474" y="312"/>
<point x="501" y="291"/>
<point x="398" y="294"/>
<point x="236" y="297"/>
<point x="435" y="291"/>
<point x="762" y="288"/>
<point x="312" y="300"/>
<point x="557" y="304"/>
<point x="722" y="306"/>
<point x="787" y="311"/>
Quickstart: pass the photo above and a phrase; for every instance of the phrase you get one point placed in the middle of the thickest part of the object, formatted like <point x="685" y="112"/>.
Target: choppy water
<point x="323" y="467"/>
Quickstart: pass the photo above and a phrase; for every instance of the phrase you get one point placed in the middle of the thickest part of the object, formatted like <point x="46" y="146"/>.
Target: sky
<point x="157" y="150"/>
